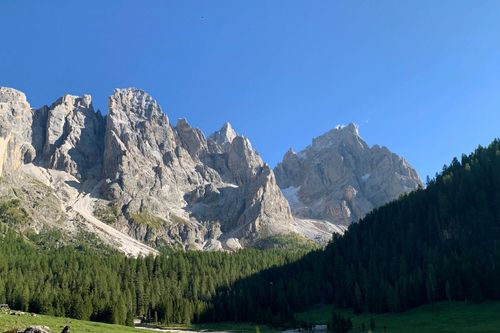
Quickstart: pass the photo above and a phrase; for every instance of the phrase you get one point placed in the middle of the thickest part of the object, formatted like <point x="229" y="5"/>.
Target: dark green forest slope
<point x="84" y="283"/>
<point x="438" y="243"/>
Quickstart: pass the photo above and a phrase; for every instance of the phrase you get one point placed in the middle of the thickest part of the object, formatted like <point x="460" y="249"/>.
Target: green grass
<point x="233" y="327"/>
<point x="107" y="213"/>
<point x="56" y="324"/>
<point x="156" y="222"/>
<point x="12" y="212"/>
<point x="177" y="219"/>
<point x="290" y="241"/>
<point x="148" y="219"/>
<point x="444" y="317"/>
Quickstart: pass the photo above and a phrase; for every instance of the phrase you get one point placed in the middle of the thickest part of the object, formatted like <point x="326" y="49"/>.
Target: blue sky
<point x="420" y="77"/>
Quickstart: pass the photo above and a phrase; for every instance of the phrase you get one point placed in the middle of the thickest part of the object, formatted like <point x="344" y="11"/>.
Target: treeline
<point x="175" y="287"/>
<point x="438" y="243"/>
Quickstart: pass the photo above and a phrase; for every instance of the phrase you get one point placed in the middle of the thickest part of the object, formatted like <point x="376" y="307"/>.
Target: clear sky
<point x="420" y="77"/>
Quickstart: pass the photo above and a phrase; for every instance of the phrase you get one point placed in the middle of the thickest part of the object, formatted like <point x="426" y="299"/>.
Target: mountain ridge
<point x="155" y="182"/>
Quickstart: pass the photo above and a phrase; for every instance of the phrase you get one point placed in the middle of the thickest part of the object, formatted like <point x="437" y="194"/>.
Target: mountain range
<point x="138" y="182"/>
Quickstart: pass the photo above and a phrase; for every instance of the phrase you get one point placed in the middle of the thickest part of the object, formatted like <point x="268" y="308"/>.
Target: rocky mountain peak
<point x="192" y="139"/>
<point x="339" y="135"/>
<point x="84" y="101"/>
<point x="137" y="132"/>
<point x="15" y="130"/>
<point x="225" y="135"/>
<point x="10" y="95"/>
<point x="290" y="153"/>
<point x="339" y="178"/>
<point x="168" y="171"/>
<point x="68" y="136"/>
<point x="135" y="103"/>
<point x="182" y="123"/>
<point x="164" y="184"/>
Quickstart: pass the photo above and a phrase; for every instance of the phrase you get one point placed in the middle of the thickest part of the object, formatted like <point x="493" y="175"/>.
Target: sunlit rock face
<point x="138" y="181"/>
<point x="16" y="122"/>
<point x="339" y="178"/>
<point x="159" y="183"/>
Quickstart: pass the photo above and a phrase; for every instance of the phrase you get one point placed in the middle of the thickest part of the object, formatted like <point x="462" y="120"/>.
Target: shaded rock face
<point x="68" y="136"/>
<point x="340" y="178"/>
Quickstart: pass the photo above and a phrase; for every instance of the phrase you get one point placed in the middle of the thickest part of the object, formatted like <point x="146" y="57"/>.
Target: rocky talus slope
<point x="339" y="178"/>
<point x="137" y="181"/>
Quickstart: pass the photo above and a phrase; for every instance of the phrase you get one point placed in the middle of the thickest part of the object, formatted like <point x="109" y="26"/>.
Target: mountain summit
<point x="225" y="135"/>
<point x="339" y="178"/>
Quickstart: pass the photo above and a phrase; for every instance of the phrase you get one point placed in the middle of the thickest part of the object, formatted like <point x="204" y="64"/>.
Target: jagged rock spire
<point x="225" y="135"/>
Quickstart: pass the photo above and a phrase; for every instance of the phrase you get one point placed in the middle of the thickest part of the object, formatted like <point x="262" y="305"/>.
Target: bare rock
<point x="35" y="329"/>
<point x="132" y="177"/>
<point x="157" y="169"/>
<point x="339" y="178"/>
<point x="73" y="140"/>
<point x="15" y="130"/>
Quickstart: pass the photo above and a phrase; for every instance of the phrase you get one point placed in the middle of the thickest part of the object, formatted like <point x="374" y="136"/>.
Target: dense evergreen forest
<point x="83" y="283"/>
<point x="438" y="243"/>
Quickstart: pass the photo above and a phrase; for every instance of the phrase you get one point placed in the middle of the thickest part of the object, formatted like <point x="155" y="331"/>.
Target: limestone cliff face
<point x="132" y="177"/>
<point x="175" y="172"/>
<point x="340" y="178"/>
<point x="15" y="130"/>
<point x="139" y="144"/>
<point x="249" y="203"/>
<point x="159" y="183"/>
<point x="69" y="137"/>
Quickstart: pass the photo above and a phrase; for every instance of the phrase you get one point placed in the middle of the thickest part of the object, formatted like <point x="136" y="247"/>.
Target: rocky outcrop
<point x="15" y="130"/>
<point x="73" y="140"/>
<point x="35" y="329"/>
<point x="66" y="136"/>
<point x="339" y="178"/>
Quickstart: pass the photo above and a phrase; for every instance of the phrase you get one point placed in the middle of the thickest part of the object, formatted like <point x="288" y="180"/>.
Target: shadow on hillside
<point x="272" y="296"/>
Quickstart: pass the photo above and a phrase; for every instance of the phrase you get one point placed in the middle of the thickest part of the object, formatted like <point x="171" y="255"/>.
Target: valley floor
<point x="56" y="324"/>
<point x="231" y="327"/>
<point x="443" y="317"/>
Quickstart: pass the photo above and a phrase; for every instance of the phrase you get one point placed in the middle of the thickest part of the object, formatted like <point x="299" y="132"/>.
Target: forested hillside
<point x="438" y="243"/>
<point x="83" y="283"/>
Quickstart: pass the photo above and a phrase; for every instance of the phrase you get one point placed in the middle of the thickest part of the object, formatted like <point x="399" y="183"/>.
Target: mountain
<point x="138" y="182"/>
<point x="435" y="244"/>
<point x="135" y="180"/>
<point x="339" y="178"/>
<point x="215" y="188"/>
